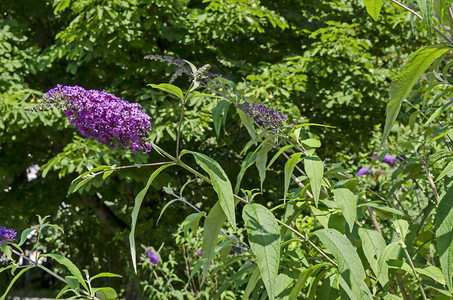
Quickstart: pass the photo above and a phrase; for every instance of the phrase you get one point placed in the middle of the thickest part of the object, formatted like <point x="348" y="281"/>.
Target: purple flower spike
<point x="197" y="252"/>
<point x="153" y="257"/>
<point x="390" y="160"/>
<point x="103" y="117"/>
<point x="363" y="171"/>
<point x="265" y="116"/>
<point x="7" y="235"/>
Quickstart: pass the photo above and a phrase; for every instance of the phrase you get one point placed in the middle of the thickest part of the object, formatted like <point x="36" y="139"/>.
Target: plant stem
<point x="181" y="117"/>
<point x="35" y="263"/>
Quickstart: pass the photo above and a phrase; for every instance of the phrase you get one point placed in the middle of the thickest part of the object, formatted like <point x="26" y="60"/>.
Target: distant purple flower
<point x="197" y="252"/>
<point x="7" y="235"/>
<point x="388" y="159"/>
<point x="103" y="117"/>
<point x="153" y="257"/>
<point x="363" y="171"/>
<point x="266" y="116"/>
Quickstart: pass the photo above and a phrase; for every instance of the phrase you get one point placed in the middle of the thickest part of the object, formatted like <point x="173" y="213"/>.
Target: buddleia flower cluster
<point x="263" y="115"/>
<point x="102" y="116"/>
<point x="7" y="235"/>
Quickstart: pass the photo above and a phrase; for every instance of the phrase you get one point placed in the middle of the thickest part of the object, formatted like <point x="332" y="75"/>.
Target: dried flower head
<point x="7" y="235"/>
<point x="153" y="257"/>
<point x="265" y="116"/>
<point x="104" y="117"/>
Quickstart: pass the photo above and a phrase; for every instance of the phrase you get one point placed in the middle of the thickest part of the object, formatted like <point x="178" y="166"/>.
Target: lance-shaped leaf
<point x="314" y="168"/>
<point x="349" y="263"/>
<point x="444" y="234"/>
<point x="404" y="82"/>
<point x="212" y="225"/>
<point x="264" y="237"/>
<point x="348" y="205"/>
<point x="373" y="244"/>
<point x="220" y="183"/>
<point x="373" y="7"/>
<point x="70" y="265"/>
<point x="289" y="168"/>
<point x="426" y="8"/>
<point x="219" y="115"/>
<point x="136" y="210"/>
<point x="169" y="88"/>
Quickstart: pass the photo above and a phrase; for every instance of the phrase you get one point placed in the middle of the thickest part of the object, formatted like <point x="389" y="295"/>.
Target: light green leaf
<point x="302" y="278"/>
<point x="373" y="7"/>
<point x="314" y="168"/>
<point x="444" y="234"/>
<point x="426" y="9"/>
<point x="314" y="143"/>
<point x="136" y="210"/>
<point x="289" y="168"/>
<point x="169" y="88"/>
<point x="14" y="280"/>
<point x="284" y="284"/>
<point x="349" y="263"/>
<point x="105" y="293"/>
<point x="277" y="155"/>
<point x="73" y="283"/>
<point x="347" y="202"/>
<point x="24" y="234"/>
<point x="446" y="171"/>
<point x="251" y="284"/>
<point x="390" y="252"/>
<point x="264" y="237"/>
<point x="70" y="265"/>
<point x="105" y="274"/>
<point x="437" y="113"/>
<point x="373" y="244"/>
<point x="246" y="163"/>
<point x="64" y="290"/>
<point x="191" y="221"/>
<point x="261" y="159"/>
<point x="220" y="183"/>
<point x="164" y="208"/>
<point x="248" y="123"/>
<point x="219" y="115"/>
<point x="401" y="228"/>
<point x="212" y="225"/>
<point x="432" y="272"/>
<point x="405" y="80"/>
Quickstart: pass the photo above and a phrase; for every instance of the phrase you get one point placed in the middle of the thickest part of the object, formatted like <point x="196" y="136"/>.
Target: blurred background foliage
<point x="325" y="62"/>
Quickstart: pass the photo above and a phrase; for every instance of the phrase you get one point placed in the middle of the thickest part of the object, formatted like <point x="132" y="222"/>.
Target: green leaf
<point x="14" y="280"/>
<point x="68" y="264"/>
<point x="314" y="143"/>
<point x="73" y="283"/>
<point x="64" y="290"/>
<point x="248" y="123"/>
<point x="284" y="284"/>
<point x="246" y="163"/>
<point x="347" y="202"/>
<point x="219" y="115"/>
<point x="437" y="113"/>
<point x="105" y="293"/>
<point x="289" y="168"/>
<point x="251" y="284"/>
<point x="426" y="9"/>
<point x="277" y="155"/>
<point x="264" y="237"/>
<point x="220" y="183"/>
<point x="373" y="7"/>
<point x="314" y="168"/>
<point x="191" y="221"/>
<point x="261" y="159"/>
<point x="24" y="234"/>
<point x="169" y="88"/>
<point x="405" y="80"/>
<point x="401" y="228"/>
<point x="302" y="278"/>
<point x="164" y="208"/>
<point x="195" y="269"/>
<point x="349" y="263"/>
<point x="446" y="171"/>
<point x="105" y="274"/>
<point x="135" y="211"/>
<point x="212" y="225"/>
<point x="444" y="234"/>
<point x="373" y="244"/>
<point x="432" y="272"/>
<point x="390" y="252"/>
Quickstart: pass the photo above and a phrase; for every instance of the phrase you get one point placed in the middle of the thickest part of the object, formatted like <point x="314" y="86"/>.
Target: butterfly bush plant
<point x="380" y="230"/>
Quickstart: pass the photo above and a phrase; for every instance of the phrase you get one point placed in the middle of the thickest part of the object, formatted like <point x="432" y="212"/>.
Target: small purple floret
<point x="7" y="235"/>
<point x="153" y="257"/>
<point x="363" y="171"/>
<point x="104" y="117"/>
<point x="388" y="159"/>
<point x="265" y="116"/>
<point x="197" y="252"/>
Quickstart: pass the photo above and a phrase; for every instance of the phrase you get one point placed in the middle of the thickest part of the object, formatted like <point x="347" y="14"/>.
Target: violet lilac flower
<point x="265" y="116"/>
<point x="363" y="171"/>
<point x="7" y="235"/>
<point x="388" y="159"/>
<point x="153" y="257"/>
<point x="104" y="117"/>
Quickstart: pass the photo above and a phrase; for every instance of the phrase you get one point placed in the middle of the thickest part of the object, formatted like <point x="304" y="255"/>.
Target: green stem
<point x="181" y="117"/>
<point x="35" y="263"/>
